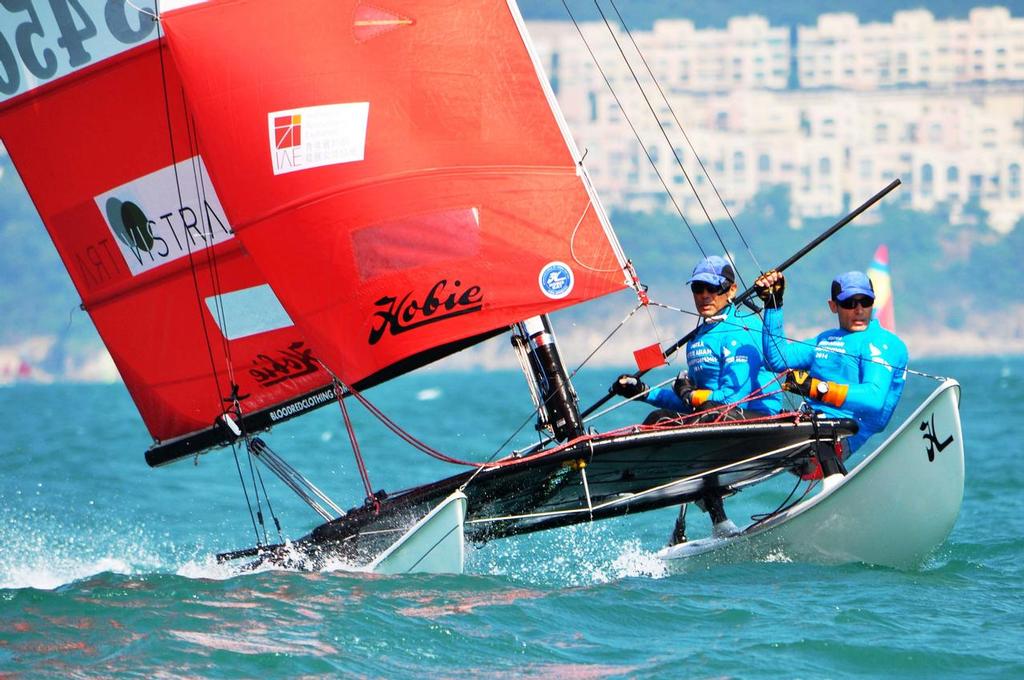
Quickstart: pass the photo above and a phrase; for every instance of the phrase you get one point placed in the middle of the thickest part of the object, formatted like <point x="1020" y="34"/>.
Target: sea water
<point x="106" y="565"/>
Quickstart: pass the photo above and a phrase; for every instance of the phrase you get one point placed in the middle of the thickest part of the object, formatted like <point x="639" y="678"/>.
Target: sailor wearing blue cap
<point x="854" y="371"/>
<point x="723" y="360"/>
<point x="723" y="366"/>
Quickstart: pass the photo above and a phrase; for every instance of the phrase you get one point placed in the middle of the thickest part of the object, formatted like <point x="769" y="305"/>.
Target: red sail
<point x="108" y="158"/>
<point x="395" y="169"/>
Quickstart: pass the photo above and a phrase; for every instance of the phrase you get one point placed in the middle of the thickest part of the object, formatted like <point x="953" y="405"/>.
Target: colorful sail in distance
<point x="396" y="169"/>
<point x="878" y="272"/>
<point x="107" y="155"/>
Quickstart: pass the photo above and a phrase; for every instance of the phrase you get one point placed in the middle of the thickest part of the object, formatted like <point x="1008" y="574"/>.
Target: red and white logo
<point x="315" y="136"/>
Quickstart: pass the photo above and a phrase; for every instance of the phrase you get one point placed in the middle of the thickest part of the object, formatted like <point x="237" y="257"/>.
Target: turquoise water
<point x="105" y="566"/>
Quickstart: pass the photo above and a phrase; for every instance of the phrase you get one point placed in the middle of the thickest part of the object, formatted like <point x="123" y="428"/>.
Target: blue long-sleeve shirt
<point x="725" y="357"/>
<point x="871" y="362"/>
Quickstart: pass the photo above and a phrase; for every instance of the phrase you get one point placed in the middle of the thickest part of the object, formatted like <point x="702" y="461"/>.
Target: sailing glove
<point x="690" y="395"/>
<point x="771" y="295"/>
<point x="801" y="382"/>
<point x="628" y="386"/>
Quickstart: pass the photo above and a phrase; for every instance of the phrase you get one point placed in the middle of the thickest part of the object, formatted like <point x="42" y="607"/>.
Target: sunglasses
<point x="856" y="301"/>
<point x="699" y="287"/>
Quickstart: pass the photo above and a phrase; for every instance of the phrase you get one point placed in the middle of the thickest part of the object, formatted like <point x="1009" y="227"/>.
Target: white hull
<point x="434" y="545"/>
<point x="893" y="509"/>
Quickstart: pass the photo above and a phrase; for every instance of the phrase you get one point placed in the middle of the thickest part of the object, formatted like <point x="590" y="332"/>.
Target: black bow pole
<point x="790" y="261"/>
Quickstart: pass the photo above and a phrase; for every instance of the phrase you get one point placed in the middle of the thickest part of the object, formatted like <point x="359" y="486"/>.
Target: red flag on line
<point x="649" y="357"/>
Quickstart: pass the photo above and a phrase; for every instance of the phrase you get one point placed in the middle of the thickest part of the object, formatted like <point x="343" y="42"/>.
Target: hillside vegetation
<point x="943" y="275"/>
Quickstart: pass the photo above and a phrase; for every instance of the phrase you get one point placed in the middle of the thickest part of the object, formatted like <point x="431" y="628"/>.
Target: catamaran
<point x="269" y="207"/>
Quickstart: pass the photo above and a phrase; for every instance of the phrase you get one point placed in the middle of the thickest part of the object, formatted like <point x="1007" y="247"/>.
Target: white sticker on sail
<point x="556" y="280"/>
<point x="152" y="228"/>
<point x="314" y="136"/>
<point x="249" y="311"/>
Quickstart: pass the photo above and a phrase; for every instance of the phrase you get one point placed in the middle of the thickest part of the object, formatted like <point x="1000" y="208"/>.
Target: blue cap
<point x="714" y="270"/>
<point x="847" y="285"/>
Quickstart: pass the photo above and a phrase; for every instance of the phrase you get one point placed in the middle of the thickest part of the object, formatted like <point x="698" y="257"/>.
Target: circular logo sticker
<point x="556" y="280"/>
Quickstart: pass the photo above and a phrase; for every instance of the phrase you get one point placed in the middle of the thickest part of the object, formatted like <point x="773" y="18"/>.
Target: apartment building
<point x="914" y="50"/>
<point x="947" y="126"/>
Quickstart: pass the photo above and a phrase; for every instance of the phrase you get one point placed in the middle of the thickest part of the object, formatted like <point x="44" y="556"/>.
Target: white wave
<point x="581" y="555"/>
<point x="207" y="568"/>
<point x="54" y="574"/>
<point x="428" y="394"/>
<point x="635" y="561"/>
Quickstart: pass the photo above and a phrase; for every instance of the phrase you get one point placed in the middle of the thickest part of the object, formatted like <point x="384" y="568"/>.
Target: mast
<point x="557" y="404"/>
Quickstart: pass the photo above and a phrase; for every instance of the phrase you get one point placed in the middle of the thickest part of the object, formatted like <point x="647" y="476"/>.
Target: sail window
<point x="249" y="311"/>
<point x="416" y="240"/>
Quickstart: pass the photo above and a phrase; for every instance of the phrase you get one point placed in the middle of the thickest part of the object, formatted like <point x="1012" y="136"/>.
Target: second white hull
<point x="893" y="509"/>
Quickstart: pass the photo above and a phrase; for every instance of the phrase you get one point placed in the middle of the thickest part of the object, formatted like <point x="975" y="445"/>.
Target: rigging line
<point x="71" y="319"/>
<point x="572" y="374"/>
<point x="760" y="518"/>
<point x="255" y="489"/>
<point x="606" y="339"/>
<point x="758" y="313"/>
<point x="636" y="134"/>
<point x="657" y="332"/>
<point x="141" y="10"/>
<point x="626" y="400"/>
<point x="685" y="136"/>
<point x="572" y="245"/>
<point x="256" y="493"/>
<point x="872" y="360"/>
<point x="392" y="425"/>
<point x="629" y="400"/>
<point x="266" y="497"/>
<point x="668" y="141"/>
<point x="645" y="299"/>
<point x="245" y="491"/>
<point x="211" y="255"/>
<point x="177" y="185"/>
<point x="403" y="434"/>
<point x="434" y="453"/>
<point x="215" y="281"/>
<point x="192" y="266"/>
<point x="352" y="439"/>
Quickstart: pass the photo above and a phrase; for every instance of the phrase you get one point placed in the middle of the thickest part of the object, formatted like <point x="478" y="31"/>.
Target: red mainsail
<point x="396" y="169"/>
<point x="109" y="159"/>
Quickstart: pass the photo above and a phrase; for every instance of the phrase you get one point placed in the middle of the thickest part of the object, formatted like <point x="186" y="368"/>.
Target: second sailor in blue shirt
<point x="854" y="371"/>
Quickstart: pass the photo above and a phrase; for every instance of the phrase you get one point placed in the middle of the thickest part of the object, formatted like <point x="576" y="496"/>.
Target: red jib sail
<point x="395" y="168"/>
<point x="107" y="155"/>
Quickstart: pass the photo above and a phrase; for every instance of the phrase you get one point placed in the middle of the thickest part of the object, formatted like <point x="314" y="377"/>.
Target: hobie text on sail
<point x="398" y="315"/>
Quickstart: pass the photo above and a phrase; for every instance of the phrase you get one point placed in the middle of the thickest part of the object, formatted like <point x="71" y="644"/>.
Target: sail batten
<point x="404" y="186"/>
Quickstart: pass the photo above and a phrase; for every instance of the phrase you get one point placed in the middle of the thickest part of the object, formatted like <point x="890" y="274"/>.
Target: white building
<point x="941" y="116"/>
<point x="914" y="50"/>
